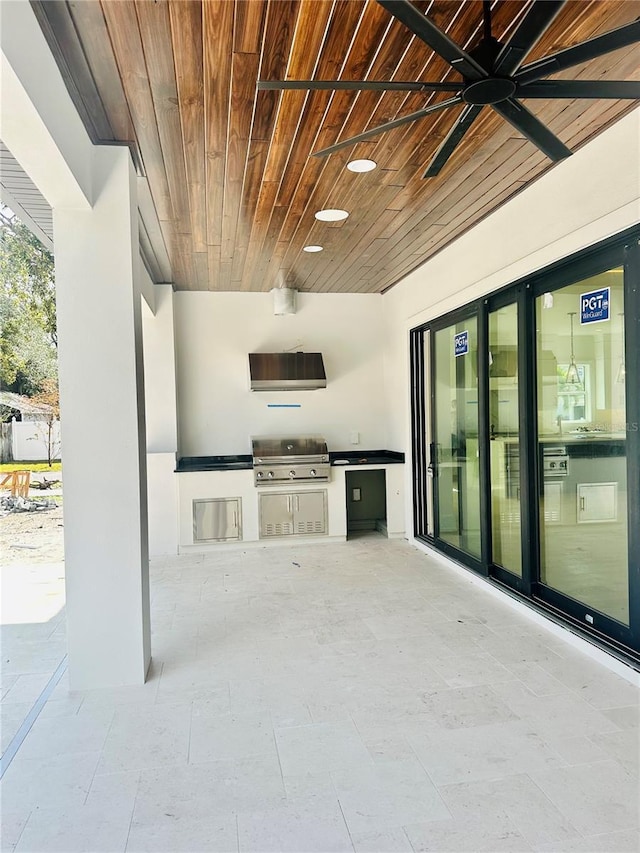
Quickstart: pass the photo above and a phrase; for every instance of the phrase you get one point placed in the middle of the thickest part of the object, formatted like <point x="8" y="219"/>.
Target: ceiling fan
<point x="492" y="75"/>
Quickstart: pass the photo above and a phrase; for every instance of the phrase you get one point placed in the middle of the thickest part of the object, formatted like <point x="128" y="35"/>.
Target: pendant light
<point x="622" y="370"/>
<point x="573" y="376"/>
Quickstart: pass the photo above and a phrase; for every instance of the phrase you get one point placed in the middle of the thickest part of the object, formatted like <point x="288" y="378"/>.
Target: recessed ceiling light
<point x="312" y="249"/>
<point x="361" y="165"/>
<point x="331" y="215"/>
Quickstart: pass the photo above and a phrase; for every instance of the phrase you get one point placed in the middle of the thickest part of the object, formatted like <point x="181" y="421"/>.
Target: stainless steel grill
<point x="555" y="461"/>
<point x="303" y="459"/>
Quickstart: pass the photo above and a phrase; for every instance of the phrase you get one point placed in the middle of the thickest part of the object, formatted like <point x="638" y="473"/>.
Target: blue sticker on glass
<point x="461" y="343"/>
<point x="594" y="306"/>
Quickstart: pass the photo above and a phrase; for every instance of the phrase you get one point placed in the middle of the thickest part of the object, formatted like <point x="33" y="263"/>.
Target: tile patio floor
<point x="334" y="697"/>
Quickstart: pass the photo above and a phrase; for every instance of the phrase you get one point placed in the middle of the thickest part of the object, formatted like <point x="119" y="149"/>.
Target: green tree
<point x="28" y="346"/>
<point x="49" y="399"/>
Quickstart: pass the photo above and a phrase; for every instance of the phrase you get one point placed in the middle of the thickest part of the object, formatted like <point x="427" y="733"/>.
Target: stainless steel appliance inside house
<point x="555" y="470"/>
<point x="304" y="459"/>
<point x="555" y="461"/>
<point x="555" y="467"/>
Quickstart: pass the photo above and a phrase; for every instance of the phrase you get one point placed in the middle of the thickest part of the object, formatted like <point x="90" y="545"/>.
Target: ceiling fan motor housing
<point x="491" y="89"/>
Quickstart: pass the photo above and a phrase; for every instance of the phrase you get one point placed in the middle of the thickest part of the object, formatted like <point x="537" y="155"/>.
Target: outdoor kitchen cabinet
<point x="293" y="513"/>
<point x="217" y="520"/>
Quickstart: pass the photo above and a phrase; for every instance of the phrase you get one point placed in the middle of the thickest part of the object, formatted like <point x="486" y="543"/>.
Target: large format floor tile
<point x="597" y="798"/>
<point x="484" y="833"/>
<point x="306" y="825"/>
<point x="388" y="795"/>
<point x="520" y="801"/>
<point x="484" y="752"/>
<point x="338" y="697"/>
<point x="320" y="747"/>
<point x="76" y="830"/>
<point x="168" y="834"/>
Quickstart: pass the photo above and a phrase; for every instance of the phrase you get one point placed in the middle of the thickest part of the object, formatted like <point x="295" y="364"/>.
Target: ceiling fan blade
<point x="465" y="120"/>
<point x="593" y="48"/>
<point x="616" y="89"/>
<point x="527" y="34"/>
<point x="431" y="35"/>
<point x="532" y="128"/>
<point x="381" y="128"/>
<point x="359" y="85"/>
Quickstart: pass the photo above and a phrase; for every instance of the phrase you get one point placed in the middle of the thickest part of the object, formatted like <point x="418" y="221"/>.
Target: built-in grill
<point x="555" y="461"/>
<point x="304" y="459"/>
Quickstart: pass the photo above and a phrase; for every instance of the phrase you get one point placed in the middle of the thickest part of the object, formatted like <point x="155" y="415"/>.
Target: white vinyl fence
<point x="29" y="441"/>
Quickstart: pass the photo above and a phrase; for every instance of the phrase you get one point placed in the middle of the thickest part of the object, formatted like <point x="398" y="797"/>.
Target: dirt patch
<point x="32" y="537"/>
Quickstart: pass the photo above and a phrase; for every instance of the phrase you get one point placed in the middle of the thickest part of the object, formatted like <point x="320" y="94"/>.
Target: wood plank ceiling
<point x="229" y="168"/>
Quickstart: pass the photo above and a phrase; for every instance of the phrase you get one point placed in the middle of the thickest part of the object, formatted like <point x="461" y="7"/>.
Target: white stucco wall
<point x="159" y="372"/>
<point x="217" y="412"/>
<point x="590" y="196"/>
<point x="161" y="425"/>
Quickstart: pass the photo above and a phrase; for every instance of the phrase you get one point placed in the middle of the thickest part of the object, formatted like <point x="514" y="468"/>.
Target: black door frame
<point x="471" y="310"/>
<point x="620" y="250"/>
<point x="518" y="296"/>
<point x="620" y="254"/>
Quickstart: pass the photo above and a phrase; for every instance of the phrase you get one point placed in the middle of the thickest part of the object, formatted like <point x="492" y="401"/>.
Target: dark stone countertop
<point x="244" y="462"/>
<point x="215" y="463"/>
<point x="366" y="457"/>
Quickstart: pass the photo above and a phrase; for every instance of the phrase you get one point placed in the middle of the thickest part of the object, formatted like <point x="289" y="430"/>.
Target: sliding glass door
<point x="456" y="435"/>
<point x="504" y="438"/>
<point x="526" y="411"/>
<point x="582" y="444"/>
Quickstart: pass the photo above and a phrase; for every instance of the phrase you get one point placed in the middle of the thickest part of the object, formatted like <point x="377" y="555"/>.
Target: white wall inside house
<point x="590" y="196"/>
<point x="215" y="332"/>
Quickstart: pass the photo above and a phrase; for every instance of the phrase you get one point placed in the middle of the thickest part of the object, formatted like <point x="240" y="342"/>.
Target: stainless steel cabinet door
<point x="310" y="512"/>
<point x="276" y="515"/>
<point x="299" y="513"/>
<point x="597" y="502"/>
<point x="217" y="520"/>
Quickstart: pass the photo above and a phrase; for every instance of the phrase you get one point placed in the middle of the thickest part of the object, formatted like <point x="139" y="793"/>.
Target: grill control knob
<point x="292" y="473"/>
<point x="270" y="475"/>
<point x="259" y="475"/>
<point x="313" y="472"/>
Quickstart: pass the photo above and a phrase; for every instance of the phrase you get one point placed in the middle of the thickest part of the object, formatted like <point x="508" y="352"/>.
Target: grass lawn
<point x="5" y="467"/>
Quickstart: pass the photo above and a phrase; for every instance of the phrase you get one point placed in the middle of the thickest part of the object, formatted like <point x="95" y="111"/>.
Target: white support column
<point x="103" y="430"/>
<point x="161" y="412"/>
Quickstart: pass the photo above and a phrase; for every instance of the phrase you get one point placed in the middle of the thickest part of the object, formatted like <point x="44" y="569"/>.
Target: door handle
<point x="431" y="471"/>
<point x="581" y="504"/>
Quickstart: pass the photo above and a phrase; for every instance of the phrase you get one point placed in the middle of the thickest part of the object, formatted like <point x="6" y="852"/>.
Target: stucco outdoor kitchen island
<point x="219" y="504"/>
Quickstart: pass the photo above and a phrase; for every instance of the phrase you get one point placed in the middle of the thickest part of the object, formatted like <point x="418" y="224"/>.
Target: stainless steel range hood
<point x="286" y="371"/>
